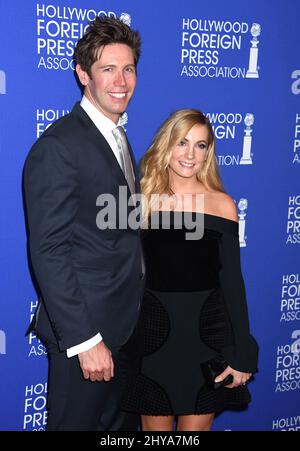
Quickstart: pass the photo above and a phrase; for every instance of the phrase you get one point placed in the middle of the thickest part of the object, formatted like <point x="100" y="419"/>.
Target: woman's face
<point x="189" y="153"/>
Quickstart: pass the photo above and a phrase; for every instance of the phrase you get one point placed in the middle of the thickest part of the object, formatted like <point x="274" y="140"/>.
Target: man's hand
<point x="97" y="363"/>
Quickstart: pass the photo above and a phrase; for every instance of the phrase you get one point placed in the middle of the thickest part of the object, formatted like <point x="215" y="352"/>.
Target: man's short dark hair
<point x="103" y="31"/>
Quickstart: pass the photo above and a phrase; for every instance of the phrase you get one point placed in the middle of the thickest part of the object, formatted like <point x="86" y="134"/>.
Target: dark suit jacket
<point x="90" y="279"/>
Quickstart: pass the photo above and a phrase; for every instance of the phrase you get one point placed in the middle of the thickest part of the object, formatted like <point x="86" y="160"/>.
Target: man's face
<point x="112" y="81"/>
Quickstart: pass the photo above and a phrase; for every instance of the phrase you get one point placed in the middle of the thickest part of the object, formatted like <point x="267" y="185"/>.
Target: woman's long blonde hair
<point x="156" y="160"/>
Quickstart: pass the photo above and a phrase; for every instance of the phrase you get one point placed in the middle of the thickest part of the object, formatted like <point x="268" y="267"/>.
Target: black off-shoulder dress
<point x="194" y="308"/>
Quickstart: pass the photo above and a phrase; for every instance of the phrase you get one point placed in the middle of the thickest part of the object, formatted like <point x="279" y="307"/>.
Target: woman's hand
<point x="239" y="378"/>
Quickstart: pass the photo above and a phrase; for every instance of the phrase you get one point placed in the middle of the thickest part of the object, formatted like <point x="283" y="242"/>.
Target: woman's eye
<point x="182" y="143"/>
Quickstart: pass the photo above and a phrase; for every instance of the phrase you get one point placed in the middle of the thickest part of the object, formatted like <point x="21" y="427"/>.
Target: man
<point x="91" y="280"/>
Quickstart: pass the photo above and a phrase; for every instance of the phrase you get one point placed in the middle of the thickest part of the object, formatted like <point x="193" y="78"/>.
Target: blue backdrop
<point x="236" y="61"/>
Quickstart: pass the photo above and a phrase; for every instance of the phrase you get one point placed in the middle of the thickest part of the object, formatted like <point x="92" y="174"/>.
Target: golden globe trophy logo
<point x="2" y="82"/>
<point x="242" y="207"/>
<point x="124" y="120"/>
<point x="290" y="298"/>
<point x="58" y="30"/>
<point x="2" y="342"/>
<point x="207" y="47"/>
<point x="235" y="130"/>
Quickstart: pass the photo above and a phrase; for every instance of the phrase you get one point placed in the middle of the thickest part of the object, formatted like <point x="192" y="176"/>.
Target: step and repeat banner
<point x="236" y="61"/>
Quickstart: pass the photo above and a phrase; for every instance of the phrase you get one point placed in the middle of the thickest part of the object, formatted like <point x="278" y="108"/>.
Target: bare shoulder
<point x="226" y="206"/>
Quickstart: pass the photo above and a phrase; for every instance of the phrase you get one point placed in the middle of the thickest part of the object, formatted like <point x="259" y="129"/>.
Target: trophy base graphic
<point x="242" y="206"/>
<point x="246" y="160"/>
<point x="252" y="74"/>
<point x="2" y="82"/>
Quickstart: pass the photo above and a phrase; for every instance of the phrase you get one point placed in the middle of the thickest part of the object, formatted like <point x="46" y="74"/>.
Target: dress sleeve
<point x="243" y="354"/>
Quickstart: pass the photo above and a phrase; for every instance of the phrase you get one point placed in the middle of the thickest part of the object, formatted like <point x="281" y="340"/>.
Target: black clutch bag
<point x="211" y="369"/>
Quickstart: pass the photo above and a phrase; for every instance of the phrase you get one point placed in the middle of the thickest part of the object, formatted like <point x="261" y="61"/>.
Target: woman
<point x="194" y="308"/>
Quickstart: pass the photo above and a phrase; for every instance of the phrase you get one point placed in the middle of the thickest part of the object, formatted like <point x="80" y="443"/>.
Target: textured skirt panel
<point x="175" y="333"/>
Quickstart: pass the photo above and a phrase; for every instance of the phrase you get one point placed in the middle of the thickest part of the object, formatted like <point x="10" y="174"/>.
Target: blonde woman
<point x="194" y="309"/>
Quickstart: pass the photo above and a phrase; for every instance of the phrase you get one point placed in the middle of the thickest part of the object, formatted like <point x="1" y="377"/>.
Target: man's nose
<point x="120" y="79"/>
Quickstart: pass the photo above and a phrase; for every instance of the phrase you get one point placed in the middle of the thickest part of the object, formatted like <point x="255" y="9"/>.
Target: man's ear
<point x="82" y="75"/>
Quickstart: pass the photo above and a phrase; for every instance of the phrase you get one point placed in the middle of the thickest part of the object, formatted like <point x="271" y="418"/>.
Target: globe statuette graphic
<point x="124" y="119"/>
<point x="255" y="30"/>
<point x="243" y="204"/>
<point x="249" y="119"/>
<point x="126" y="18"/>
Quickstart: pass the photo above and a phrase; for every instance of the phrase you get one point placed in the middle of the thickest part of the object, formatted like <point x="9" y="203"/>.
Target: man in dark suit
<point x="91" y="280"/>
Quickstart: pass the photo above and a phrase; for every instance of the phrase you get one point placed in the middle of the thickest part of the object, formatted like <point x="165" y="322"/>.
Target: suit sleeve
<point x="52" y="196"/>
<point x="243" y="354"/>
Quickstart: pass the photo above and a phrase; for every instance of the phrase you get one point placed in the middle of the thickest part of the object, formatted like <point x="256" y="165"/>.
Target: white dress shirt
<point x="105" y="127"/>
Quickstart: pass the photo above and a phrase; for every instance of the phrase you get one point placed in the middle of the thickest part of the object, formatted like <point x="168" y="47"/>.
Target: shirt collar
<point x="102" y="122"/>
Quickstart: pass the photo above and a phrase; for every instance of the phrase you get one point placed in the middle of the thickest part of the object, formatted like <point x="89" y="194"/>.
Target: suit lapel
<point x="100" y="142"/>
<point x="135" y="169"/>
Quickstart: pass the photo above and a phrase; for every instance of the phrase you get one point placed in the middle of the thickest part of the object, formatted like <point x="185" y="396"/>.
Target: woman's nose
<point x="190" y="153"/>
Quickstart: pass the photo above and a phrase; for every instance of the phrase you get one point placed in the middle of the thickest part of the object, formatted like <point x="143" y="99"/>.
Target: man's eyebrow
<point x="107" y="65"/>
<point x="115" y="65"/>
